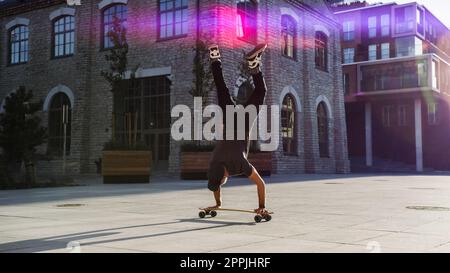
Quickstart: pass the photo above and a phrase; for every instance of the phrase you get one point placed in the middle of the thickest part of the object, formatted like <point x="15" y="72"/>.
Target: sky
<point x="440" y="8"/>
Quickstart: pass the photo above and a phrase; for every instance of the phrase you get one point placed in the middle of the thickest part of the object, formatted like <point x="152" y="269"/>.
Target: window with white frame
<point x="372" y="26"/>
<point x="63" y="36"/>
<point x="432" y="113"/>
<point x="288" y="128"/>
<point x="404" y="19"/>
<point x="372" y="52"/>
<point x="420" y="21"/>
<point x="386" y="115"/>
<point x="114" y="12"/>
<point x="402" y="115"/>
<point x="349" y="30"/>
<point x="18" y="45"/>
<point x="385" y="25"/>
<point x="323" y="127"/>
<point x="321" y="51"/>
<point x="349" y="55"/>
<point x="173" y="18"/>
<point x="346" y="83"/>
<point x="247" y="20"/>
<point x="288" y="36"/>
<point x="408" y="46"/>
<point x="60" y="115"/>
<point x="385" y="51"/>
<point x="435" y="74"/>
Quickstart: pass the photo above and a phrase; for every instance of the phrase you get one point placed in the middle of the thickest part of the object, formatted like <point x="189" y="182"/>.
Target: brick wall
<point x="92" y="109"/>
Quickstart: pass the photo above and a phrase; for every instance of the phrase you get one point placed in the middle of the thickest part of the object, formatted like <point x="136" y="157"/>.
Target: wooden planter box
<point x="194" y="165"/>
<point x="126" y="167"/>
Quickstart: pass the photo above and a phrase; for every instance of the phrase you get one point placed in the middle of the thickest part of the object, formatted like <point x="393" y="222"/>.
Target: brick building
<point x="58" y="51"/>
<point x="397" y="85"/>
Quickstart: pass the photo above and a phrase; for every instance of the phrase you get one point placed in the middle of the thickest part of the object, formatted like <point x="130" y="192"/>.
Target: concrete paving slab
<point x="313" y="213"/>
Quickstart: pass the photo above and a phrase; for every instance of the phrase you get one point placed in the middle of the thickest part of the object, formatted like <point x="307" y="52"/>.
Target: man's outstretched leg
<point x="223" y="94"/>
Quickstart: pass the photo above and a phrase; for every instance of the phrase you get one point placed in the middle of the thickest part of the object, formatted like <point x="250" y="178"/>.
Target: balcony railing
<point x="398" y="74"/>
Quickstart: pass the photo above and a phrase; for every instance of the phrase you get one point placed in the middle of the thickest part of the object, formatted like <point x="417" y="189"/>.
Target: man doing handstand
<point x="229" y="157"/>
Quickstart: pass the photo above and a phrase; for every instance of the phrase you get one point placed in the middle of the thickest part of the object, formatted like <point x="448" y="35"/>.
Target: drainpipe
<point x="198" y="21"/>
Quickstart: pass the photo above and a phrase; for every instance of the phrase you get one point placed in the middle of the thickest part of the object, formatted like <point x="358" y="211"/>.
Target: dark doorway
<point x="142" y="116"/>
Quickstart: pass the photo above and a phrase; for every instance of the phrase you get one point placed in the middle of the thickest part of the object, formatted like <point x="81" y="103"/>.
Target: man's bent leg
<point x="259" y="94"/>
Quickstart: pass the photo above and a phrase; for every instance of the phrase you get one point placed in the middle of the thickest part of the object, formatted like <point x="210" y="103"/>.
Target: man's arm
<point x="218" y="197"/>
<point x="261" y="187"/>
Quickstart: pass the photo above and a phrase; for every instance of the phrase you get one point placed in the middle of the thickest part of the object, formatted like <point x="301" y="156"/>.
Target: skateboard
<point x="213" y="213"/>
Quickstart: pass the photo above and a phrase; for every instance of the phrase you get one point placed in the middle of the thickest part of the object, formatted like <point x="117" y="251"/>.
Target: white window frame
<point x="386" y="115"/>
<point x="350" y="51"/>
<point x="385" y="25"/>
<point x="434" y="74"/>
<point x="402" y="115"/>
<point x="385" y="47"/>
<point x="371" y="57"/>
<point x="432" y="113"/>
<point x="349" y="27"/>
<point x="372" y="19"/>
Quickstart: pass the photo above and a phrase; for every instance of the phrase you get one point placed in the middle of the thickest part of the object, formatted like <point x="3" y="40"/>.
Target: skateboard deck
<point x="213" y="213"/>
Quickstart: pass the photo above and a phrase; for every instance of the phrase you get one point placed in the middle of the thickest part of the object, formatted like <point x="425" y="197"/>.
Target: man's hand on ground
<point x="213" y="207"/>
<point x="261" y="211"/>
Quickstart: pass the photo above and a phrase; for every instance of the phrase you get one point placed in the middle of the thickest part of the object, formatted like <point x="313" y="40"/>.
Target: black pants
<point x="223" y="94"/>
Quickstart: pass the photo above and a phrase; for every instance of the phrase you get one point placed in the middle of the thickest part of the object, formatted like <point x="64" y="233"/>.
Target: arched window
<point x="246" y="20"/>
<point x="63" y="36"/>
<point x="288" y="128"/>
<point x="321" y="50"/>
<point x="60" y="116"/>
<point x="118" y="11"/>
<point x="18" y="45"/>
<point x="322" y="126"/>
<point x="288" y="36"/>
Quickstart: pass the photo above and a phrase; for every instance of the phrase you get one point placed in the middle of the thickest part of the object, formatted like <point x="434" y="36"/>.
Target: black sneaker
<point x="254" y="57"/>
<point x="214" y="53"/>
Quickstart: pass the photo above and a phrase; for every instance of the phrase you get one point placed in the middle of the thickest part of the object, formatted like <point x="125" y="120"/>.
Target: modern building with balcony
<point x="396" y="78"/>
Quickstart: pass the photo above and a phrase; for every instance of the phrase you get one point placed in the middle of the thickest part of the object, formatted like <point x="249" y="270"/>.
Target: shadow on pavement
<point x="62" y="241"/>
<point x="13" y="197"/>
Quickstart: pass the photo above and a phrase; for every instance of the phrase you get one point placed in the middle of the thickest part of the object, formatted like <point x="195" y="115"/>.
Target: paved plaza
<point x="313" y="213"/>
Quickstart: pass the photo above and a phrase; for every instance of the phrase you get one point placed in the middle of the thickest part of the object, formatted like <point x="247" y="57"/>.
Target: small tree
<point x="202" y="76"/>
<point x="117" y="56"/>
<point x="21" y="132"/>
<point x="202" y="82"/>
